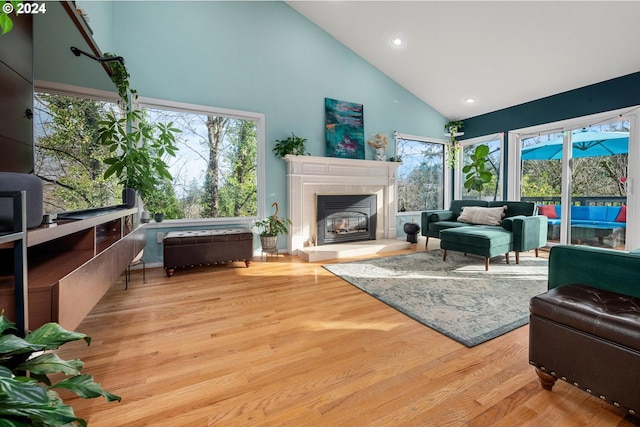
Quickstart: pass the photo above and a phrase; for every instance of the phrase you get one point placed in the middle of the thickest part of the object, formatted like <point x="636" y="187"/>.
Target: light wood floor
<point x="286" y="343"/>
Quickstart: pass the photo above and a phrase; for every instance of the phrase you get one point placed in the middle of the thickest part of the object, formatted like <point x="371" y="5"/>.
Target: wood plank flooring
<point x="286" y="343"/>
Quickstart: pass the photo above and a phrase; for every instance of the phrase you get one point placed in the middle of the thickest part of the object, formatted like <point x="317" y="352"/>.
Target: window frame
<point x="258" y="118"/>
<point x="458" y="184"/>
<point x="632" y="114"/>
<point x="447" y="181"/>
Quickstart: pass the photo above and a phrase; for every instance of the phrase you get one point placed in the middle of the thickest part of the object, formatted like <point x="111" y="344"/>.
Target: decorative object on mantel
<point x="290" y="145"/>
<point x="378" y="142"/>
<point x="344" y="129"/>
<point x="397" y="159"/>
<point x="453" y="148"/>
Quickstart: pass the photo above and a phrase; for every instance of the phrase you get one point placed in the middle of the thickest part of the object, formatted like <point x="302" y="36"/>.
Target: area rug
<point x="457" y="297"/>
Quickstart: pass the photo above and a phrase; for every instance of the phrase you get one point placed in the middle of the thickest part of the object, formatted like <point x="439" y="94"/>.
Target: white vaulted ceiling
<point x="500" y="53"/>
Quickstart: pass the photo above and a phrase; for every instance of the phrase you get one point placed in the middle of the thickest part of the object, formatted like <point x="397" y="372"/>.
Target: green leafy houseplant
<point x="6" y="23"/>
<point x="32" y="400"/>
<point x="291" y="145"/>
<point x="270" y="227"/>
<point x="476" y="174"/>
<point x="137" y="147"/>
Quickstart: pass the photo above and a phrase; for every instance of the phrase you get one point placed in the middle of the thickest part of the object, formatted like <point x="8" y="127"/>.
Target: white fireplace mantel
<point x="308" y="176"/>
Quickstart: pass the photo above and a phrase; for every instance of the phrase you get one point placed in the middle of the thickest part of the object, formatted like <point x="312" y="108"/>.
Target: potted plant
<point x="476" y="174"/>
<point x="137" y="147"/>
<point x="291" y="145"/>
<point x="270" y="228"/>
<point x="27" y="394"/>
<point x="453" y="148"/>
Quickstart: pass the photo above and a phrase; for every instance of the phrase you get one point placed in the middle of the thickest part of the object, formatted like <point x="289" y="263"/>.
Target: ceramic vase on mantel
<point x="380" y="154"/>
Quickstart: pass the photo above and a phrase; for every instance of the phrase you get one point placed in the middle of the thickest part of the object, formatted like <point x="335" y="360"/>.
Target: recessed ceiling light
<point x="397" y="41"/>
<point x="470" y="100"/>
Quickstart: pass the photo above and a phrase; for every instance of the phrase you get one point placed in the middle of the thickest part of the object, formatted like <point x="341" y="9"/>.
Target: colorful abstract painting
<point x="344" y="129"/>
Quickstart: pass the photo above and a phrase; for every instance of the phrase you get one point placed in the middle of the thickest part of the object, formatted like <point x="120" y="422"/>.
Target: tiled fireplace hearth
<point x="309" y="176"/>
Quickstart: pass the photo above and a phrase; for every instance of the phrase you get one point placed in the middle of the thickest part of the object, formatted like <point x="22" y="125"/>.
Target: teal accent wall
<point x="597" y="98"/>
<point x="261" y="57"/>
<point x="608" y="95"/>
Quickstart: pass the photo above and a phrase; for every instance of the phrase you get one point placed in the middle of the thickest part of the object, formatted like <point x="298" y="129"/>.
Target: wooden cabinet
<point x="71" y="265"/>
<point x="16" y="93"/>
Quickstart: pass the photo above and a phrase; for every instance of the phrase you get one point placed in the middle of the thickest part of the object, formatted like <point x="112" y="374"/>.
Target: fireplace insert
<point x="346" y="218"/>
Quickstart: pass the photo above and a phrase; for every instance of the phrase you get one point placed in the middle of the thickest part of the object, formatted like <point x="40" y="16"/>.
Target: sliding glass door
<point x="579" y="179"/>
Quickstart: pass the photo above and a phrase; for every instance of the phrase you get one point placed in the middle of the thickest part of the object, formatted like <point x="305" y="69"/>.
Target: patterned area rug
<point x="456" y="298"/>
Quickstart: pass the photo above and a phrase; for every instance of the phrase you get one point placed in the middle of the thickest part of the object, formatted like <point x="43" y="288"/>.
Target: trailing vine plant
<point x="453" y="129"/>
<point x="137" y="147"/>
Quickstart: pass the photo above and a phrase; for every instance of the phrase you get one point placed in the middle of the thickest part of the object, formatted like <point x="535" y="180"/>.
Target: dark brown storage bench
<point x="183" y="249"/>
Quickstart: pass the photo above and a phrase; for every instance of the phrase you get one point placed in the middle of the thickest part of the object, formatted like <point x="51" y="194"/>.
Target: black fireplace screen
<point x="346" y="218"/>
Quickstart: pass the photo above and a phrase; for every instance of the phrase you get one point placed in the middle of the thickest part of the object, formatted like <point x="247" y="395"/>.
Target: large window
<point x="492" y="190"/>
<point x="68" y="158"/>
<point x="216" y="170"/>
<point x="421" y="174"/>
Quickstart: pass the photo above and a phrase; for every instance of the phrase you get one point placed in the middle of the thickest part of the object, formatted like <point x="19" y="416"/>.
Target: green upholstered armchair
<point x="529" y="232"/>
<point x="609" y="269"/>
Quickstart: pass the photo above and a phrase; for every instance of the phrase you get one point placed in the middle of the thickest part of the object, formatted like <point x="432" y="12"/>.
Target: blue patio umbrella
<point x="585" y="144"/>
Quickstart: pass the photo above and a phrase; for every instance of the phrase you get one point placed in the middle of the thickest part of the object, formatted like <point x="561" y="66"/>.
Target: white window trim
<point x="632" y="114"/>
<point x="447" y="182"/>
<point x="458" y="176"/>
<point x="259" y="118"/>
<point x="70" y="90"/>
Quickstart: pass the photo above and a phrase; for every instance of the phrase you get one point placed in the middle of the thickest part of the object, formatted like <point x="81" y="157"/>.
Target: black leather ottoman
<point x="590" y="338"/>
<point x="183" y="249"/>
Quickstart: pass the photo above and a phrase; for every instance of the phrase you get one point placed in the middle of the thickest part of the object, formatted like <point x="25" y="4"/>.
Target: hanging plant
<point x="136" y="146"/>
<point x="453" y="129"/>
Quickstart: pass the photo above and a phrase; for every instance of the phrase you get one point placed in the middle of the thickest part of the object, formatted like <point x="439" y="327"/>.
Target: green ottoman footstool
<point x="477" y="240"/>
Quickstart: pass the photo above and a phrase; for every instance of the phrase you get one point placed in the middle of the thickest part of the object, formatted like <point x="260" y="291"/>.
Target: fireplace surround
<point x="310" y="176"/>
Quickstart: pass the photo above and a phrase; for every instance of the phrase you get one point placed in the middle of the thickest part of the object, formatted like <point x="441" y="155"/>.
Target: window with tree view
<point x="420" y="175"/>
<point x="214" y="171"/>
<point x="68" y="156"/>
<point x="216" y="168"/>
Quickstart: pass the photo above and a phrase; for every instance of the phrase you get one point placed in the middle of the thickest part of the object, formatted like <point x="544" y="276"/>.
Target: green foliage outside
<point x="163" y="200"/>
<point x="69" y="160"/>
<point x="420" y="176"/>
<point x="239" y="187"/>
<point x="590" y="176"/>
